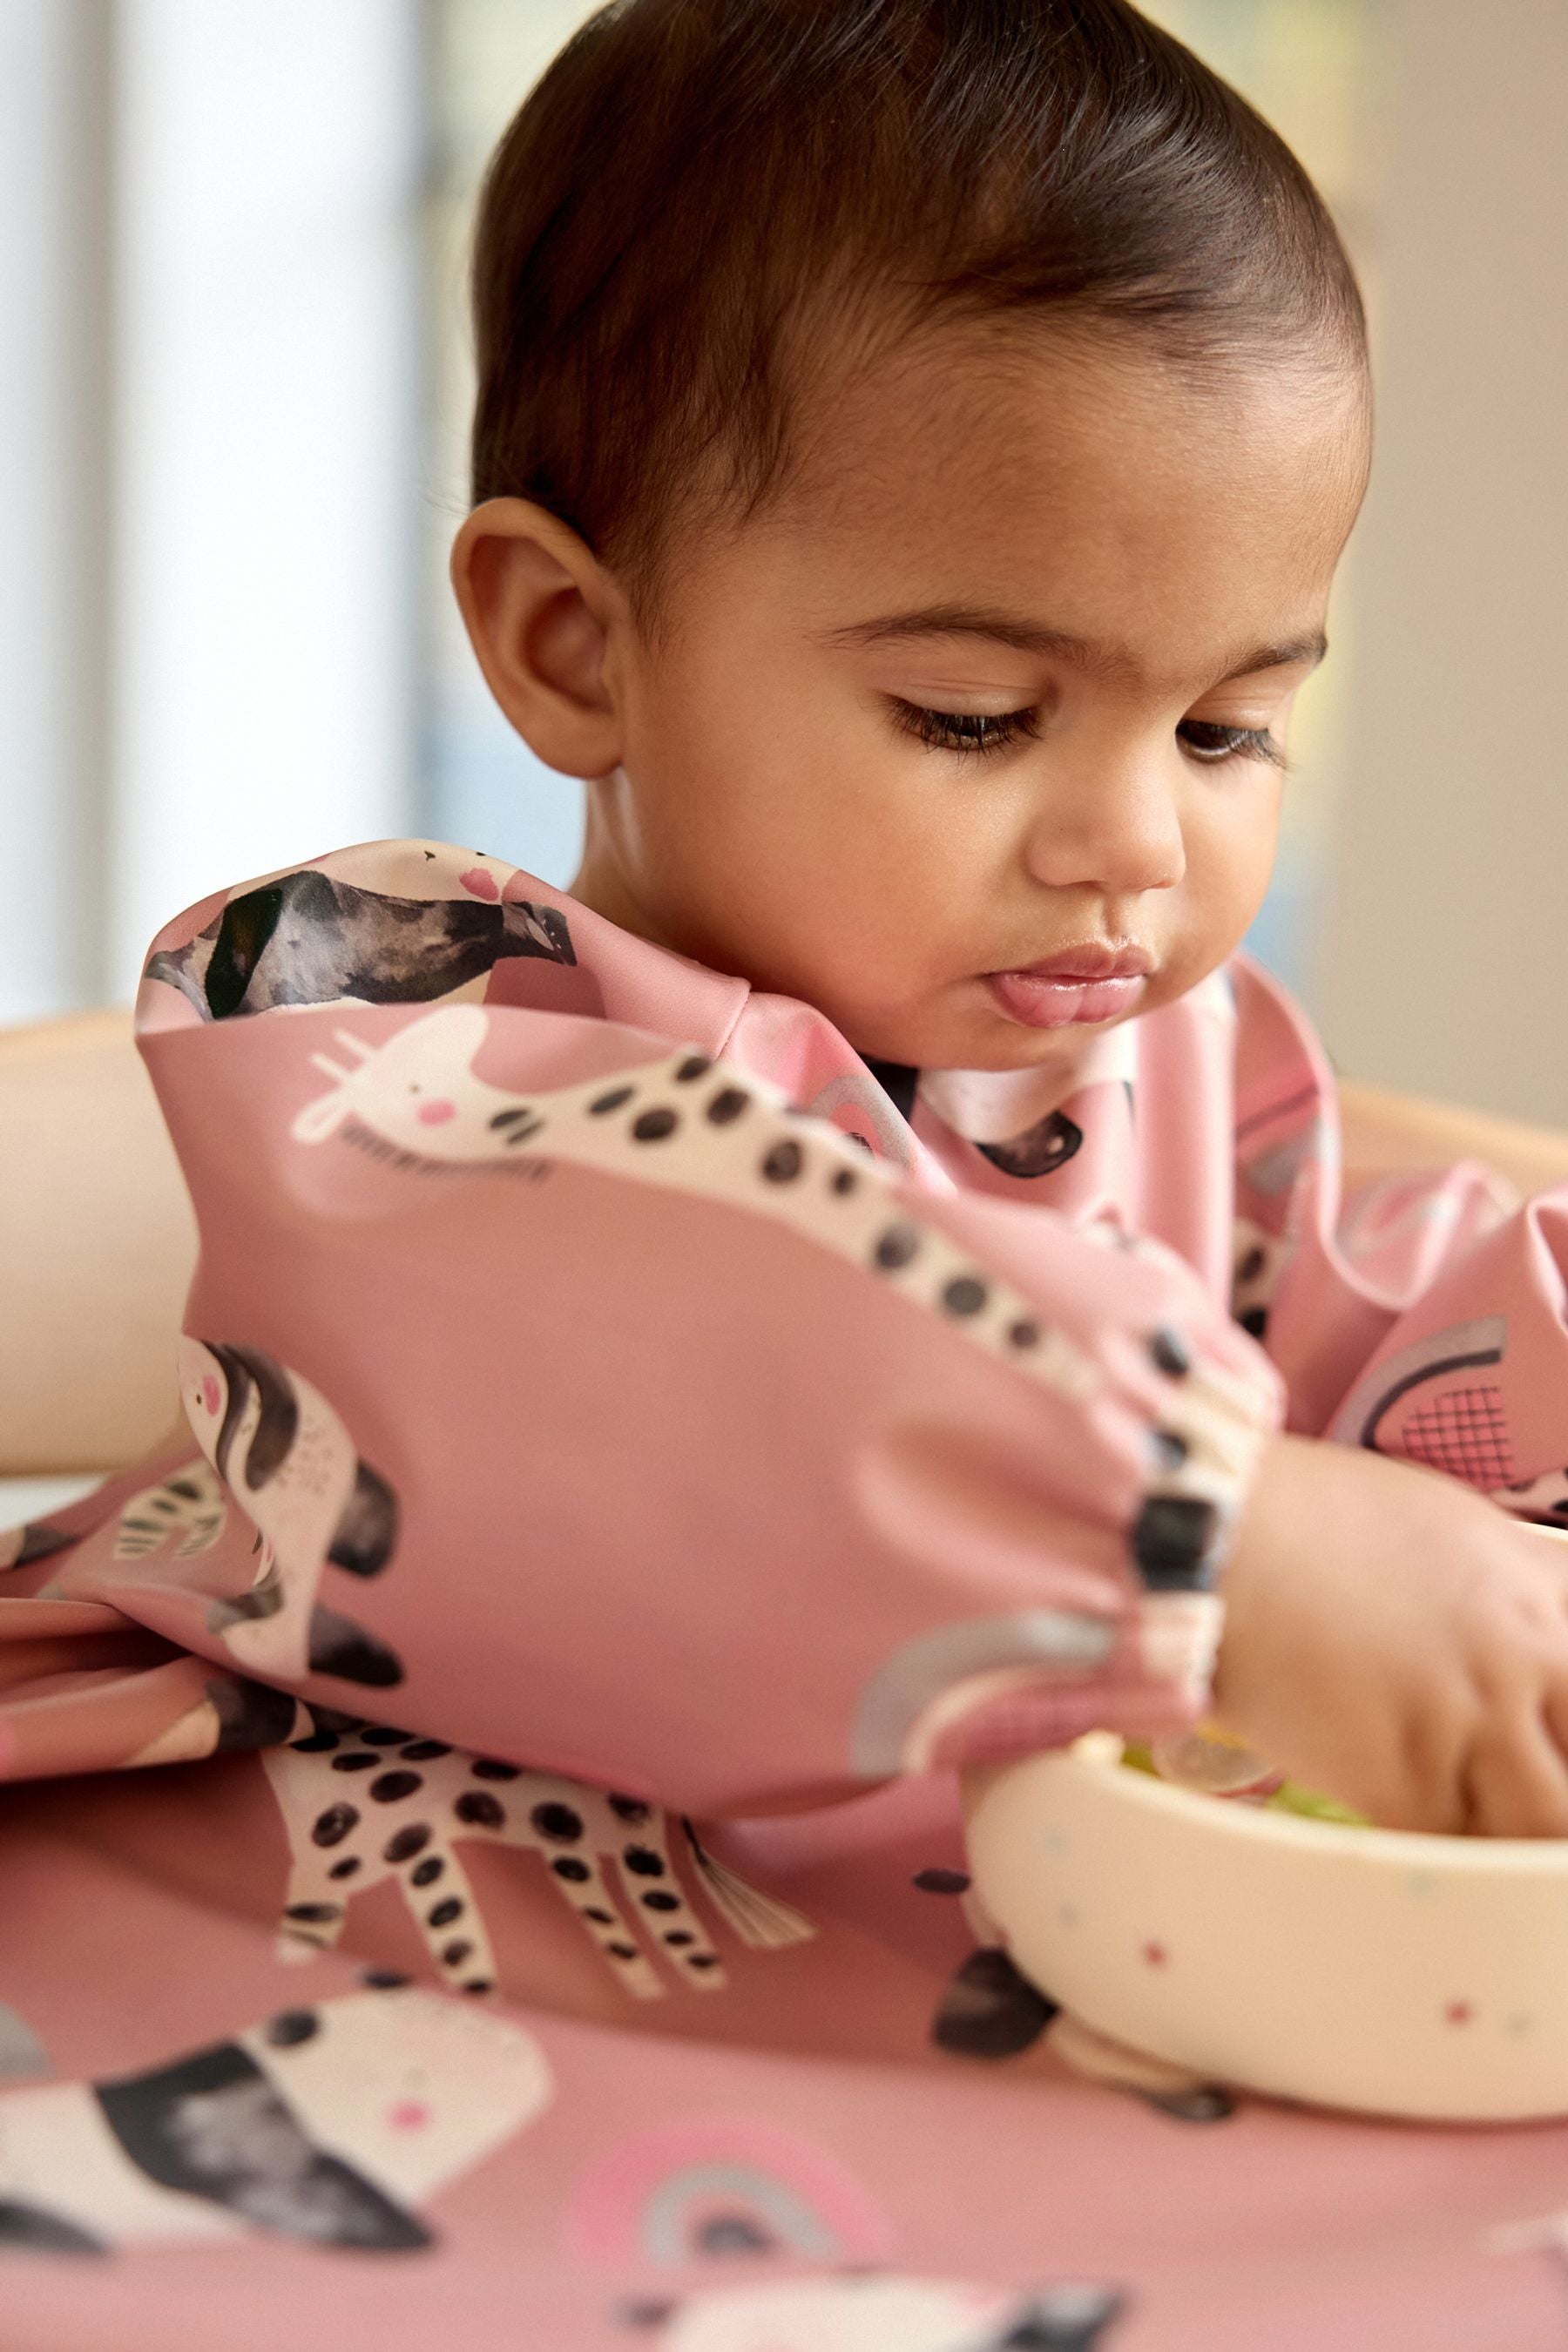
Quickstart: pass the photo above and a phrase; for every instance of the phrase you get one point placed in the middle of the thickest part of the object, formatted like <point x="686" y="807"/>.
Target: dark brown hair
<point x="700" y="193"/>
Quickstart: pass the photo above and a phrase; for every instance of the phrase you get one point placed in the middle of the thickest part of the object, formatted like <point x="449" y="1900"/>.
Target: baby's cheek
<point x="1224" y="886"/>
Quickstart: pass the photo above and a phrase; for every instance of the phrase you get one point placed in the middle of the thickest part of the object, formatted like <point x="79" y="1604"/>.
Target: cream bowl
<point x="1371" y="1969"/>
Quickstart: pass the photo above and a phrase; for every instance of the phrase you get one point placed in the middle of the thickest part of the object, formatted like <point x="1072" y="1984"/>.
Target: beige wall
<point x="1444" y="963"/>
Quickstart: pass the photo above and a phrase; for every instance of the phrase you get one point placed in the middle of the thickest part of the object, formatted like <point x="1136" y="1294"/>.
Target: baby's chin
<point x="937" y="1045"/>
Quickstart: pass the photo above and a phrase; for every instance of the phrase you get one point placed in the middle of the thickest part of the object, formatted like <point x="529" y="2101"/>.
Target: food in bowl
<point x="1212" y="1762"/>
<point x="1262" y="1946"/>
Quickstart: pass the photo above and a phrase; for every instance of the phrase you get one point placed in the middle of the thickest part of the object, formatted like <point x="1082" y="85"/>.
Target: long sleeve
<point x="1424" y="1316"/>
<point x="556" y="1380"/>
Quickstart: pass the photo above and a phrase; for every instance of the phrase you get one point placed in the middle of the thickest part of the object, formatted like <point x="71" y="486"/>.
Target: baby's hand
<point x="1392" y="1638"/>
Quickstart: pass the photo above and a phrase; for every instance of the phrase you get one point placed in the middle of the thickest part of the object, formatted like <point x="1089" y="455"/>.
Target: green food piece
<point x="1291" y="1798"/>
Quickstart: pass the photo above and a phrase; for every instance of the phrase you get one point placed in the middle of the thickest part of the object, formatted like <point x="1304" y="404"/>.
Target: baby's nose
<point x="1113" y="827"/>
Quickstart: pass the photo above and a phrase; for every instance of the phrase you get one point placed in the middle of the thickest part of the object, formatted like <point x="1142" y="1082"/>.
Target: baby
<point x="915" y="440"/>
<point x="914" y="446"/>
<point x="680" y="1369"/>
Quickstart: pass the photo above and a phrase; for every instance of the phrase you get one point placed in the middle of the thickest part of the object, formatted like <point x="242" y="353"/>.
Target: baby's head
<point x="914" y="442"/>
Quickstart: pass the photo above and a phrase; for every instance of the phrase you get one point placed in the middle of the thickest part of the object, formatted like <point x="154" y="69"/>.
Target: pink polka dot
<point x="482" y="884"/>
<point x="409" y="2115"/>
<point x="437" y="1114"/>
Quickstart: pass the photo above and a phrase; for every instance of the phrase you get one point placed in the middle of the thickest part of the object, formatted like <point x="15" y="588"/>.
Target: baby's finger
<point x="1516" y="1780"/>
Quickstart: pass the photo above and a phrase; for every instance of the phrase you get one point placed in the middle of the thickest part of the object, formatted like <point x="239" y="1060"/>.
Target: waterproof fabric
<point x="632" y="1453"/>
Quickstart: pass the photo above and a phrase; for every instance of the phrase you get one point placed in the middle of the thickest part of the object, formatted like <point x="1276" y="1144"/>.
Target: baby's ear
<point x="539" y="607"/>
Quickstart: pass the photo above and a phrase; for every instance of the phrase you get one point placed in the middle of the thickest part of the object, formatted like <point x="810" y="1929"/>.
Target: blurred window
<point x="484" y="787"/>
<point x="210" y="458"/>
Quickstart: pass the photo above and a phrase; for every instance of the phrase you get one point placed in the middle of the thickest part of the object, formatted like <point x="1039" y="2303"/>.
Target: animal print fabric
<point x="481" y="1862"/>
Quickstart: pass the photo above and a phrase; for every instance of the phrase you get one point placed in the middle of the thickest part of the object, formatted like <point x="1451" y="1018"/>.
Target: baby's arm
<point x="1392" y="1636"/>
<point x="97" y="1243"/>
<point x="1389" y="1636"/>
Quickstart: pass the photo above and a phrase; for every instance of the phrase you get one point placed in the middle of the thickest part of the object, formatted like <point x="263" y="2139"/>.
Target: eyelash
<point x="964" y="733"/>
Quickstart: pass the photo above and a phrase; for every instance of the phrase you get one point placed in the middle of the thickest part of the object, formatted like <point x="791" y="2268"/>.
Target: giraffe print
<point x="699" y="1126"/>
<point x="687" y="1123"/>
<point x="364" y="1802"/>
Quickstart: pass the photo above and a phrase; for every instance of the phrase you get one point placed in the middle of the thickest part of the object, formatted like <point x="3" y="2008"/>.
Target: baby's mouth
<point x="1091" y="982"/>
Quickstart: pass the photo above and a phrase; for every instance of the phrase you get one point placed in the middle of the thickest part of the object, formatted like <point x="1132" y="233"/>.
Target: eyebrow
<point x="1021" y="636"/>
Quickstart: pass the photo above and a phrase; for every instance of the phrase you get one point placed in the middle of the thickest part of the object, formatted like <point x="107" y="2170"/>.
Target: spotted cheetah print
<point x="364" y="1802"/>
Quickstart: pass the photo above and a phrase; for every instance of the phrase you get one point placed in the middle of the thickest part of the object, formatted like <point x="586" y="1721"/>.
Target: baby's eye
<point x="961" y="730"/>
<point x="1206" y="740"/>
